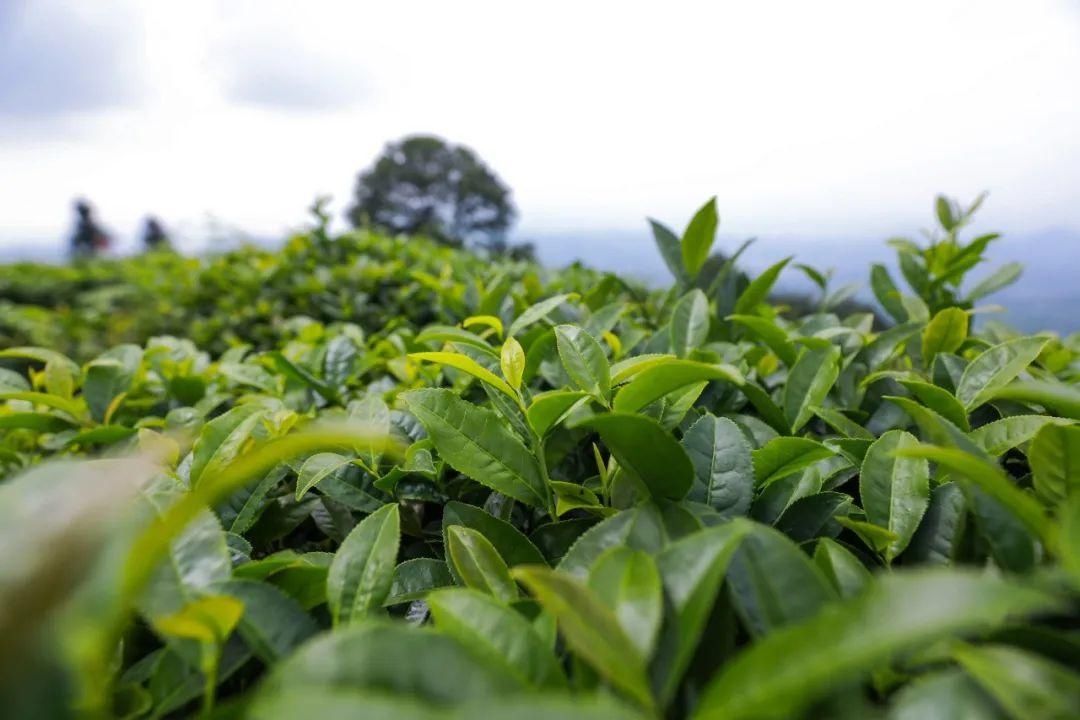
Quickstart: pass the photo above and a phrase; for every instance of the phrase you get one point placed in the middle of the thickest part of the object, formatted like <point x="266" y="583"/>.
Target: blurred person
<point x="89" y="238"/>
<point x="154" y="235"/>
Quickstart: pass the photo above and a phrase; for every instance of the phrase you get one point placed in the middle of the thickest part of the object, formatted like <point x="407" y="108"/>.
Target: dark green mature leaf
<point x="628" y="582"/>
<point x="1025" y="684"/>
<point x="940" y="401"/>
<point x="886" y="292"/>
<point x="641" y="528"/>
<point x="723" y="470"/>
<point x="482" y="623"/>
<point x="791" y="668"/>
<point x="698" y="237"/>
<point x="989" y="478"/>
<point x="845" y="571"/>
<point x="809" y="382"/>
<point x="645" y="449"/>
<point x="941" y="528"/>
<point x="1002" y="435"/>
<point x="895" y="489"/>
<point x="995" y="368"/>
<point x="1059" y="397"/>
<point x="511" y="543"/>
<point x="590" y="629"/>
<point x="479" y="565"/>
<point x="1054" y="457"/>
<point x="273" y="624"/>
<point x="670" y="249"/>
<point x="475" y="442"/>
<point x="303" y="376"/>
<point x="773" y="583"/>
<point x="383" y="658"/>
<point x="414" y="579"/>
<point x="689" y="325"/>
<point x="785" y="456"/>
<point x="692" y="570"/>
<point x="584" y="361"/>
<point x="363" y="568"/>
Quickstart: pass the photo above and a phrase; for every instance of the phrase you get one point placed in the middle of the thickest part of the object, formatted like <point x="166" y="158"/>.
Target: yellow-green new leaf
<point x="209" y="619"/>
<point x="512" y="362"/>
<point x="467" y="365"/>
<point x="945" y="333"/>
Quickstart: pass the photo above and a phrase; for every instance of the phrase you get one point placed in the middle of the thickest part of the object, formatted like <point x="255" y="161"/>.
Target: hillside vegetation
<point x="375" y="477"/>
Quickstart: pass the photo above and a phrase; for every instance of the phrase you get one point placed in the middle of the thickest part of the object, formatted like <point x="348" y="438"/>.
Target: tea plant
<point x="487" y="490"/>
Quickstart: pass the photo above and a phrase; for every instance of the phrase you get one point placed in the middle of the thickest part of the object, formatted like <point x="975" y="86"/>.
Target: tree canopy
<point x="424" y="185"/>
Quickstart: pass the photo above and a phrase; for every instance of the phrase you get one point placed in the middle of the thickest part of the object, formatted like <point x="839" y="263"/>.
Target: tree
<point x="424" y="185"/>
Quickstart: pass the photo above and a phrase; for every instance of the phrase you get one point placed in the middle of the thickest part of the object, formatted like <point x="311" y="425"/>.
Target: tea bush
<point x="364" y="477"/>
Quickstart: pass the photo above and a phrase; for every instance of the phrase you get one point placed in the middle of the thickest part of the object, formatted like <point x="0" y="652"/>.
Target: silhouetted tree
<point x="424" y="185"/>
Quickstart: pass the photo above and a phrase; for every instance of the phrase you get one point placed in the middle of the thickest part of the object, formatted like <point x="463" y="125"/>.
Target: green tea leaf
<point x="723" y="469"/>
<point x="643" y="448"/>
<point x="584" y="361"/>
<point x="785" y="672"/>
<point x="1023" y="683"/>
<point x="758" y="289"/>
<point x="489" y="627"/>
<point x="657" y="381"/>
<point x="692" y="571"/>
<point x="785" y="456"/>
<point x="415" y="579"/>
<point x="512" y="362"/>
<point x="590" y="629"/>
<point x="773" y="583"/>
<point x="895" y="489"/>
<point x="222" y="439"/>
<point x="316" y="469"/>
<point x="945" y="333"/>
<point x="469" y="366"/>
<point x="479" y="565"/>
<point x="363" y="568"/>
<point x="809" y="382"/>
<point x="549" y="409"/>
<point x="1054" y="457"/>
<point x="698" y="237"/>
<point x="628" y="582"/>
<point x="689" y="326"/>
<point x="475" y="442"/>
<point x="995" y="368"/>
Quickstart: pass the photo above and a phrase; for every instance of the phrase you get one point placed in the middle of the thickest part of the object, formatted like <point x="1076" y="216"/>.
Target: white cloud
<point x="838" y="117"/>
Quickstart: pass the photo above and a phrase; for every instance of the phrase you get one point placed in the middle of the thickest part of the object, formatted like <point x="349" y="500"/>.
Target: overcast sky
<point x="826" y="117"/>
